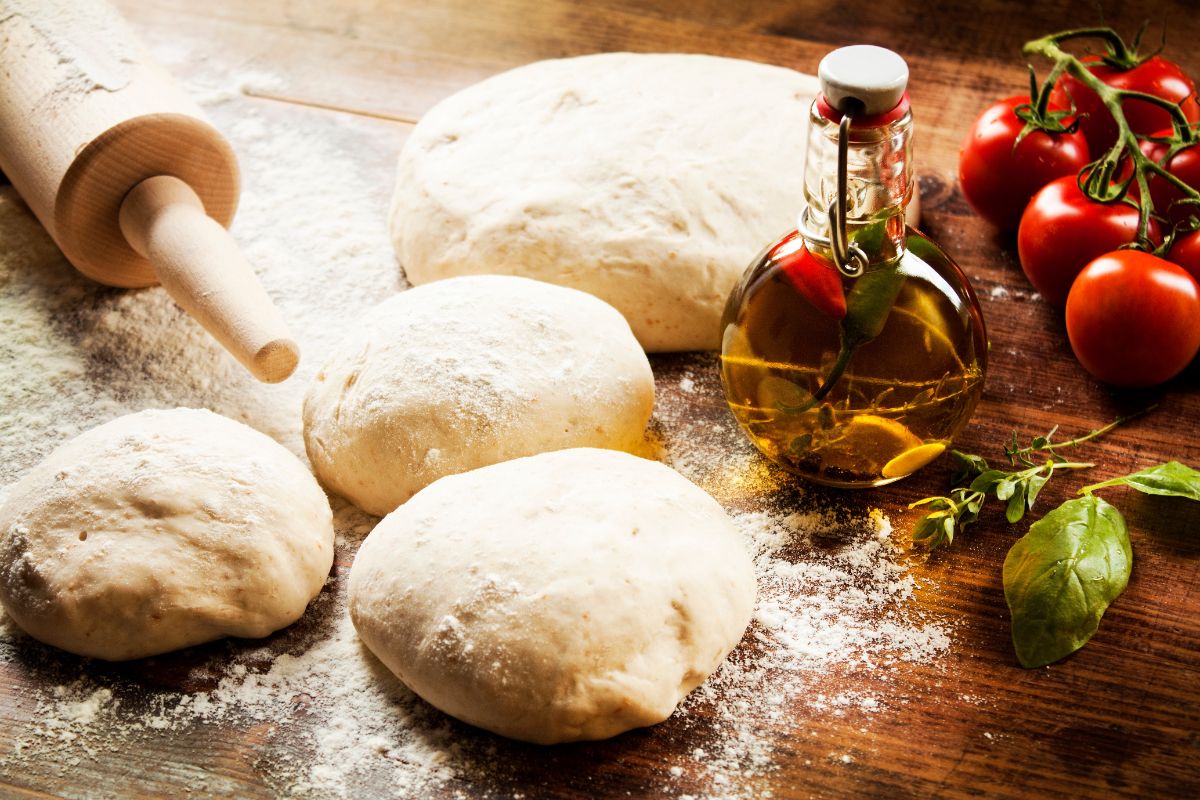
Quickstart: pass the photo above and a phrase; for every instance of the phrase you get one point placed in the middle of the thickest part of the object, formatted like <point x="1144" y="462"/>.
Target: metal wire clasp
<point x="850" y="259"/>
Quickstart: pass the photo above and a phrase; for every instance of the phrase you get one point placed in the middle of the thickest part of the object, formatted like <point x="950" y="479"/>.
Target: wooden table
<point x="1122" y="717"/>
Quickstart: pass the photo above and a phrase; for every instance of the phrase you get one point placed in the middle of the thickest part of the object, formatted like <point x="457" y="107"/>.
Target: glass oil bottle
<point x="853" y="348"/>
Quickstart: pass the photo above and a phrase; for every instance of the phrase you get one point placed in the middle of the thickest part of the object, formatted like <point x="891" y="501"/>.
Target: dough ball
<point x="161" y="530"/>
<point x="566" y="596"/>
<point x="650" y="181"/>
<point x="467" y="372"/>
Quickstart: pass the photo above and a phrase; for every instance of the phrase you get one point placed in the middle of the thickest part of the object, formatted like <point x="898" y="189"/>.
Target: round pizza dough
<point x="466" y="372"/>
<point x="576" y="595"/>
<point x="161" y="530"/>
<point x="648" y="180"/>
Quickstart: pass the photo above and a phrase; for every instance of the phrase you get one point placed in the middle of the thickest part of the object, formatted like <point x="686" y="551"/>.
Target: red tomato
<point x="1185" y="251"/>
<point x="1156" y="76"/>
<point x="998" y="179"/>
<point x="1062" y="230"/>
<point x="1134" y="319"/>
<point x="1184" y="165"/>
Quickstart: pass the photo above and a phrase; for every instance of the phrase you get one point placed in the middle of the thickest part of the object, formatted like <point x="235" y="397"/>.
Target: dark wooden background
<point x="1119" y="718"/>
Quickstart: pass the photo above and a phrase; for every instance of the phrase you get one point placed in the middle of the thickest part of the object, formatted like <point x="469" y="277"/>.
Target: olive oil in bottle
<point x="853" y="348"/>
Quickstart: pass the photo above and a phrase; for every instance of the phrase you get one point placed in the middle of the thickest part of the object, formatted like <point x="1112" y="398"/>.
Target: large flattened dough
<point x="466" y="372"/>
<point x="648" y="180"/>
<point x="161" y="530"/>
<point x="566" y="596"/>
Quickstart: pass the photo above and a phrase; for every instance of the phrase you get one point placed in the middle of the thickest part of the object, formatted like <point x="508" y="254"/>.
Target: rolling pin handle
<point x="201" y="267"/>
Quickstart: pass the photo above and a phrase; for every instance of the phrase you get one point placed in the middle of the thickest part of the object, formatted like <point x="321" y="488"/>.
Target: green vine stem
<point x="1097" y="180"/>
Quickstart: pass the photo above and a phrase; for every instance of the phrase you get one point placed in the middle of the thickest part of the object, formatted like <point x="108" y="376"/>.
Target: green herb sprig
<point x="1017" y="488"/>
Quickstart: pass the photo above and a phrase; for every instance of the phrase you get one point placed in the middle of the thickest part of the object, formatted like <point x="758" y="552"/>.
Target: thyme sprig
<point x="1045" y="444"/>
<point x="1018" y="488"/>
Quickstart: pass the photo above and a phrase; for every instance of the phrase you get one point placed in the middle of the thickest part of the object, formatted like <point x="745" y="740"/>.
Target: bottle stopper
<point x="863" y="79"/>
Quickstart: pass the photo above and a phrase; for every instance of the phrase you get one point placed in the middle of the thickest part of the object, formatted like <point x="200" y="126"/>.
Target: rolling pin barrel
<point x="87" y="124"/>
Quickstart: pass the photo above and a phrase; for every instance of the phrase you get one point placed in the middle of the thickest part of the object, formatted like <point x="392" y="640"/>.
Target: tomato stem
<point x="1097" y="180"/>
<point x="1120" y="55"/>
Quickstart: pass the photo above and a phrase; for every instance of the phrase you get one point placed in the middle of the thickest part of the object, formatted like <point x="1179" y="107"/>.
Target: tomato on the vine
<point x="998" y="176"/>
<point x="1185" y="251"/>
<point x="1062" y="230"/>
<point x="1184" y="165"/>
<point x="1155" y="76"/>
<point x="1134" y="319"/>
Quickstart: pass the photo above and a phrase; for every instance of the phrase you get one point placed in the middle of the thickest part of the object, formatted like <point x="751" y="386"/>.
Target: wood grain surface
<point x="1119" y="718"/>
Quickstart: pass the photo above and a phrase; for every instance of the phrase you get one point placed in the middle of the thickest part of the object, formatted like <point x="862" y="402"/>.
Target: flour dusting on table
<point x="833" y="618"/>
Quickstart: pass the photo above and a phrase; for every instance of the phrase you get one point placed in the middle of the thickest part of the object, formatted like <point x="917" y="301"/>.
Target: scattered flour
<point x="355" y="715"/>
<point x="103" y="64"/>
<point x="833" y="619"/>
<point x="832" y="613"/>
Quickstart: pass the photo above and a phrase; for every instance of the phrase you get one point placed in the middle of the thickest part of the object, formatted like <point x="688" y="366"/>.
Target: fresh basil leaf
<point x="1171" y="479"/>
<point x="1061" y="576"/>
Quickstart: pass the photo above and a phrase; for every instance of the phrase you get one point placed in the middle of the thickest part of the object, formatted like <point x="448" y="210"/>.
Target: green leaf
<point x="1016" y="504"/>
<point x="1012" y="449"/>
<point x="971" y="503"/>
<point x="1005" y="488"/>
<point x="966" y="466"/>
<point x="1061" y="576"/>
<point x="937" y="503"/>
<point x="1034" y="488"/>
<point x="935" y="529"/>
<point x="986" y="481"/>
<point x="926" y="527"/>
<point x="1171" y="479"/>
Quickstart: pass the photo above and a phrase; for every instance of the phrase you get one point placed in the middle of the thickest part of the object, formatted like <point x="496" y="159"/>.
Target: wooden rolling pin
<point x="122" y="169"/>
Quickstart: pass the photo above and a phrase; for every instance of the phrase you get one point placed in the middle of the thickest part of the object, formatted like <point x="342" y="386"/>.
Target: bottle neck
<point x="878" y="181"/>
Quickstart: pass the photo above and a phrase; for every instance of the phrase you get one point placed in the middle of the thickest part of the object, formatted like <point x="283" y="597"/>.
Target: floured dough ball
<point x="566" y="596"/>
<point x="650" y="181"/>
<point x="467" y="372"/>
<point x="161" y="530"/>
